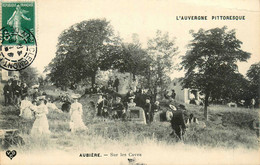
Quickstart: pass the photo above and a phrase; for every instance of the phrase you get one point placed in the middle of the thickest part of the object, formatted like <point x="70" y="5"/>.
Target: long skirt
<point x="40" y="125"/>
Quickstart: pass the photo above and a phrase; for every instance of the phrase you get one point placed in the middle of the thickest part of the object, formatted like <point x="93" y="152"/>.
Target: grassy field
<point x="228" y="128"/>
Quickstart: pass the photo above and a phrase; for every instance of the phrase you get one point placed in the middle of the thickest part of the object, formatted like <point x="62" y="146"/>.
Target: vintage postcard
<point x="141" y="82"/>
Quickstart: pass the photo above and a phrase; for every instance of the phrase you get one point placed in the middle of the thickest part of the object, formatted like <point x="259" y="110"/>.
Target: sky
<point x="145" y="17"/>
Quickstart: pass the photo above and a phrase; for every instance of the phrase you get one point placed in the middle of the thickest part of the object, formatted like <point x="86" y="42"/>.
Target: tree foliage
<point x="211" y="62"/>
<point x="29" y="75"/>
<point x="253" y="75"/>
<point x="161" y="50"/>
<point x="82" y="50"/>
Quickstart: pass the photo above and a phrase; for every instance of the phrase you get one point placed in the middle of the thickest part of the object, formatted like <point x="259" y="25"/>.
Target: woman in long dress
<point x="41" y="125"/>
<point x="26" y="109"/>
<point x="76" y="112"/>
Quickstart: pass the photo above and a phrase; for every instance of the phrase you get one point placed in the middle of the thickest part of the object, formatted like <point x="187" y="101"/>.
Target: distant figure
<point x="76" y="113"/>
<point x="24" y="90"/>
<point x="8" y="93"/>
<point x="131" y="103"/>
<point x="147" y="110"/>
<point x="178" y="123"/>
<point x="173" y="95"/>
<point x="253" y="103"/>
<point x="41" y="125"/>
<point x="166" y="95"/>
<point x="192" y="120"/>
<point x="116" y="84"/>
<point x="110" y="82"/>
<point x="17" y="93"/>
<point x="155" y="109"/>
<point x="26" y="109"/>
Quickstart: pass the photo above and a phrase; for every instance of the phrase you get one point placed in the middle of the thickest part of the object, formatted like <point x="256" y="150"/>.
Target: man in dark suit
<point x="8" y="93"/>
<point x="177" y="122"/>
<point x="116" y="84"/>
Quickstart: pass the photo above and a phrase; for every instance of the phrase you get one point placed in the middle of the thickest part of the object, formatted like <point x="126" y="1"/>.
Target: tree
<point x="253" y="75"/>
<point x="29" y="75"/>
<point x="133" y="59"/>
<point x="161" y="50"/>
<point x="83" y="49"/>
<point x="211" y="60"/>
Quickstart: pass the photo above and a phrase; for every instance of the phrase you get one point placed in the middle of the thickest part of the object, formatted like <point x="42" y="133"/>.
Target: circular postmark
<point x="18" y="49"/>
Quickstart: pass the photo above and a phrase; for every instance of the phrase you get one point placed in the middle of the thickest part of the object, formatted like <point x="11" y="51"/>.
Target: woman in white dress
<point x="76" y="113"/>
<point x="41" y="125"/>
<point x="26" y="109"/>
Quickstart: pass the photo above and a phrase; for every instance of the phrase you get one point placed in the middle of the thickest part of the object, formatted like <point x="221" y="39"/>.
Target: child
<point x="26" y="109"/>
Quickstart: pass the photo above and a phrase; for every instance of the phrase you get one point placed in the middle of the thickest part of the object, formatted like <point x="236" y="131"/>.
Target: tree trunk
<point x="206" y="106"/>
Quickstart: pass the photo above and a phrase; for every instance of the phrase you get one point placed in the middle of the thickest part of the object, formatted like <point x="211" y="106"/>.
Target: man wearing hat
<point x="8" y="93"/>
<point x="177" y="122"/>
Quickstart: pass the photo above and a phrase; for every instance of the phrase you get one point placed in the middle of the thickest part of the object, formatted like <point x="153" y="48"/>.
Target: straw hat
<point x="172" y="107"/>
<point x="41" y="97"/>
<point x="75" y="96"/>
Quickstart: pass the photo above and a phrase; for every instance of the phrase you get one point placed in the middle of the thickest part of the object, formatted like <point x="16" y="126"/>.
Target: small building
<point x="5" y="75"/>
<point x="185" y="95"/>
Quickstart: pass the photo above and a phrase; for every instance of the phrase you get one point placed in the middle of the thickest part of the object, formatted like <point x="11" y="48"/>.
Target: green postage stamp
<point x="18" y="44"/>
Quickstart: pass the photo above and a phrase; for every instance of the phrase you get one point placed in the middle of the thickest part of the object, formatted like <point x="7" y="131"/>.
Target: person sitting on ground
<point x="192" y="120"/>
<point x="177" y="122"/>
<point x="105" y="112"/>
<point x="118" y="107"/>
<point x="76" y="112"/>
<point x="131" y="103"/>
<point x="26" y="109"/>
<point x="130" y="94"/>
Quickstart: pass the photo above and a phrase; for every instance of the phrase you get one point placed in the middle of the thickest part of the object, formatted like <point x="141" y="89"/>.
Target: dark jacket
<point x="116" y="83"/>
<point x="8" y="90"/>
<point x="147" y="108"/>
<point x="178" y="120"/>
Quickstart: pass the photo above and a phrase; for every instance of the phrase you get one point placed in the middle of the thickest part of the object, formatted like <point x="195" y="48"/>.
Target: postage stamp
<point x="18" y="46"/>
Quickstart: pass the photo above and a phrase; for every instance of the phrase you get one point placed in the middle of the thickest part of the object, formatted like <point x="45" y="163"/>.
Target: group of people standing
<point x="14" y="91"/>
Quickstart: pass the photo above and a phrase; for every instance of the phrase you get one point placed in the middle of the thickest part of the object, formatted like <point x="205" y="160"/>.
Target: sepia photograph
<point x="148" y="82"/>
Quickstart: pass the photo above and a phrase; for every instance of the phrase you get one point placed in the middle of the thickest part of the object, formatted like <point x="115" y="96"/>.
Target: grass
<point x="227" y="127"/>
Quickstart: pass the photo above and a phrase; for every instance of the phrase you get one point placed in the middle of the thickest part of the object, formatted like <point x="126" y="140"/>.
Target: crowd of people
<point x="36" y="105"/>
